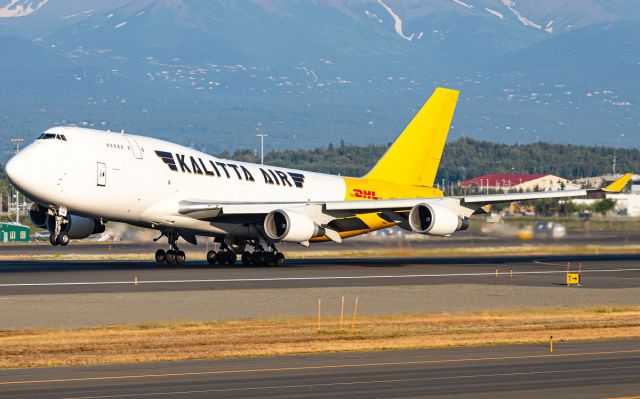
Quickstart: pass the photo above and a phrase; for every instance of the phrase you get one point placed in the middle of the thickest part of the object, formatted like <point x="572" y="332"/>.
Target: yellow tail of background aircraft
<point x="184" y="193"/>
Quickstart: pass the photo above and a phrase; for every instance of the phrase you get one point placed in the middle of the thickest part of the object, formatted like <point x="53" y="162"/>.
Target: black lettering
<point x="283" y="177"/>
<point x="195" y="166"/>
<point x="182" y="164"/>
<point x="298" y="179"/>
<point x="267" y="178"/>
<point x="224" y="167"/>
<point x="275" y="178"/>
<point x="247" y="174"/>
<point x="206" y="171"/>
<point x="215" y="168"/>
<point x="167" y="158"/>
<point x="235" y="168"/>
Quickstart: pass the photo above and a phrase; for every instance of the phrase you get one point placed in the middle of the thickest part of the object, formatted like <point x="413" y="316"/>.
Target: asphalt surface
<point x="573" y="370"/>
<point x="53" y="277"/>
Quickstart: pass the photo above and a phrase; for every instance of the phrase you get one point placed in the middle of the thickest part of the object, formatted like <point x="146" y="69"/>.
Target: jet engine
<point x="38" y="215"/>
<point x="290" y="226"/>
<point x="78" y="226"/>
<point x="435" y="220"/>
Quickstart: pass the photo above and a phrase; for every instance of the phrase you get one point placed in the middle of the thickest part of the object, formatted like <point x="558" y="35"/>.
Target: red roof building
<point x="524" y="182"/>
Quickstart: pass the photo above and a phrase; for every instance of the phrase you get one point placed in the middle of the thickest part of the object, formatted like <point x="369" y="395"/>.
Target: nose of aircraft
<point x="15" y="169"/>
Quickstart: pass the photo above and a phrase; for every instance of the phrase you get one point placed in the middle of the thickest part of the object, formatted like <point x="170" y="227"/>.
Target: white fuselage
<point x="141" y="180"/>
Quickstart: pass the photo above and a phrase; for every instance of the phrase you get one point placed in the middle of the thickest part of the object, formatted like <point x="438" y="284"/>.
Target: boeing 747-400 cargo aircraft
<point x="79" y="179"/>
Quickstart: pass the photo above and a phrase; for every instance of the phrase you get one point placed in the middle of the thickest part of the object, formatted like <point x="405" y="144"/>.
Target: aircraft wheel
<point x="160" y="256"/>
<point x="257" y="258"/>
<point x="246" y="258"/>
<point x="180" y="257"/>
<point x="268" y="258"/>
<point x="53" y="240"/>
<point x="231" y="258"/>
<point x="63" y="239"/>
<point x="278" y="259"/>
<point x="170" y="257"/>
<point x="211" y="257"/>
<point x="221" y="257"/>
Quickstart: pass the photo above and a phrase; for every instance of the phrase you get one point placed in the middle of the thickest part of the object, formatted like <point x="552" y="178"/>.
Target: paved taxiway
<point x="574" y="370"/>
<point x="76" y="294"/>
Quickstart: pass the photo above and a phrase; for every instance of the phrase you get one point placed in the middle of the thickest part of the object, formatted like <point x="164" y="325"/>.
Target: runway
<point x="50" y="277"/>
<point x="573" y="370"/>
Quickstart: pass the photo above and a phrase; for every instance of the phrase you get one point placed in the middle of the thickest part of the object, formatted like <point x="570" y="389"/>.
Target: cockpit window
<point x="47" y="136"/>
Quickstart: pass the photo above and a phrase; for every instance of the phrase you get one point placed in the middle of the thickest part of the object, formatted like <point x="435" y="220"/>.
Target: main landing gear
<point x="173" y="255"/>
<point x="259" y="257"/>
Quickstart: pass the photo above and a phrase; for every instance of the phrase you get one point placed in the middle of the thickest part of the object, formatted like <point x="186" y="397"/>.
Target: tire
<point x="170" y="257"/>
<point x="63" y="239"/>
<point x="256" y="258"/>
<point x="221" y="257"/>
<point x="180" y="257"/>
<point x="268" y="258"/>
<point x="53" y="240"/>
<point x="211" y="257"/>
<point x="278" y="259"/>
<point x="246" y="258"/>
<point x="160" y="256"/>
<point x="231" y="258"/>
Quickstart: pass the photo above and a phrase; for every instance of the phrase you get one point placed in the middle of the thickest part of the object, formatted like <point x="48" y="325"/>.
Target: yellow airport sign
<point x="573" y="278"/>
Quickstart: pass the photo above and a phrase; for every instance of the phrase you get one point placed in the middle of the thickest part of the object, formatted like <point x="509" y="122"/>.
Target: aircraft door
<point x="134" y="147"/>
<point x="102" y="174"/>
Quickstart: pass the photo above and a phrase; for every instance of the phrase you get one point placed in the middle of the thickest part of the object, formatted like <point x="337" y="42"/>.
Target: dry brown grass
<point x="478" y="250"/>
<point x="287" y="336"/>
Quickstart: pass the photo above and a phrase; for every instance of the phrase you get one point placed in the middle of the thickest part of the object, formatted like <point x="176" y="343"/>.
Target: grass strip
<point x="290" y="336"/>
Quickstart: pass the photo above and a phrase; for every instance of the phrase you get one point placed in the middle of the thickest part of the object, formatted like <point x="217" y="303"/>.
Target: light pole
<point x="17" y="142"/>
<point x="262" y="136"/>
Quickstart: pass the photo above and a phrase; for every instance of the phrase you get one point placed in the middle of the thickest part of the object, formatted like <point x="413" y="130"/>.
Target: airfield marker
<point x="342" y="313"/>
<point x="355" y="314"/>
<point x="319" y="310"/>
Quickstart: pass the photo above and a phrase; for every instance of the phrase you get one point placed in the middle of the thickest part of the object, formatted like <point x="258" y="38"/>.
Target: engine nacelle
<point x="435" y="220"/>
<point x="38" y="215"/>
<point x="290" y="226"/>
<point x="78" y="226"/>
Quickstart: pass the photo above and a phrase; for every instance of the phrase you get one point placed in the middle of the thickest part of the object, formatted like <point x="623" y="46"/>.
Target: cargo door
<point x="102" y="174"/>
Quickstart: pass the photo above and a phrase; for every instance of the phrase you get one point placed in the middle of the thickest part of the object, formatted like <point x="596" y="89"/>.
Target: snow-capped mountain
<point x="318" y="70"/>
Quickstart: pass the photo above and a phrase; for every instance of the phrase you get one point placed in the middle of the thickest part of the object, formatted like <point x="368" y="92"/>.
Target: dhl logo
<point x="364" y="194"/>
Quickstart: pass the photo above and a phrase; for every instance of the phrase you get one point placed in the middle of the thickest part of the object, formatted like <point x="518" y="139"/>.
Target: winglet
<point x="619" y="184"/>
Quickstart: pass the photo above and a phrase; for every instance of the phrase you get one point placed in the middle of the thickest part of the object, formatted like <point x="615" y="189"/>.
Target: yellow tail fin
<point x="414" y="157"/>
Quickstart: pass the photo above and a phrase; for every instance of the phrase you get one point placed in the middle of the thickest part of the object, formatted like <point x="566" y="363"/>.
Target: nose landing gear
<point x="58" y="236"/>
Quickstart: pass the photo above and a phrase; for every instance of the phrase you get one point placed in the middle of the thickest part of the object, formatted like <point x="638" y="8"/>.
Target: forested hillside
<point x="463" y="159"/>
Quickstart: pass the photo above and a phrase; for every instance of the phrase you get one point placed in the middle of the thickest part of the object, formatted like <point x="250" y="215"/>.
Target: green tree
<point x="604" y="206"/>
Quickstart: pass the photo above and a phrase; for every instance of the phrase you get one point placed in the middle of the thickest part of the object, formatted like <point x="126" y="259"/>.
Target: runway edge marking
<point x="319" y="278"/>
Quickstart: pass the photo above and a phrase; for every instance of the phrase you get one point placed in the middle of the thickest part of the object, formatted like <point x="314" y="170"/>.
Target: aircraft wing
<point x="393" y="210"/>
